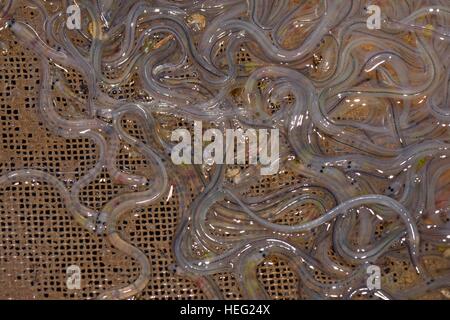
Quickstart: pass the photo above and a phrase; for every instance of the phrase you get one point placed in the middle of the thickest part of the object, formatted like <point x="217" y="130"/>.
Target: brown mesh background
<point x="39" y="239"/>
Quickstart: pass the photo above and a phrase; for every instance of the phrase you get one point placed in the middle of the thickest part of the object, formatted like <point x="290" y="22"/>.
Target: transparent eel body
<point x="363" y="117"/>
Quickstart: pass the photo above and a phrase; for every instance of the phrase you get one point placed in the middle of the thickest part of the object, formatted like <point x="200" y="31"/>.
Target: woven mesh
<point x="38" y="237"/>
